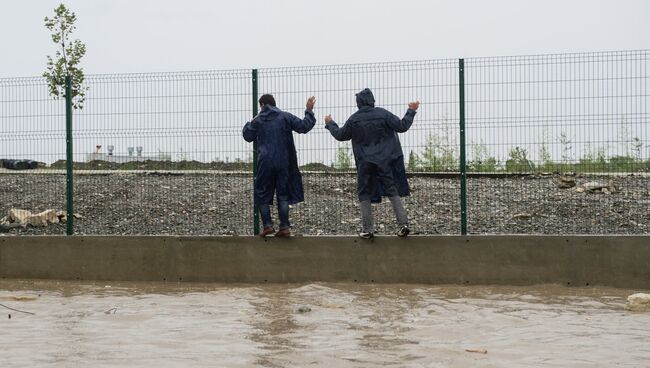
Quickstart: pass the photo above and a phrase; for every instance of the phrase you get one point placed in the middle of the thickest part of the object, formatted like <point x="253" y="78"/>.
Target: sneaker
<point x="267" y="231"/>
<point x="283" y="233"/>
<point x="403" y="232"/>
<point x="366" y="235"/>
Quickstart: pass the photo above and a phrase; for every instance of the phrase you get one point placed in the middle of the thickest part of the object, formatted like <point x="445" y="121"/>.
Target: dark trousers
<point x="283" y="214"/>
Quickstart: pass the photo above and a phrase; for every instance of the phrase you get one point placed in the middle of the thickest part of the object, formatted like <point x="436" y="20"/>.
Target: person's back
<point x="277" y="163"/>
<point x="373" y="131"/>
<point x="378" y="155"/>
<point x="275" y="137"/>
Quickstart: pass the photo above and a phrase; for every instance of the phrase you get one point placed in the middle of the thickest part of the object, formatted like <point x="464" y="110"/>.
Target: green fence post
<point x="256" y="218"/>
<point x="463" y="167"/>
<point x="69" y="159"/>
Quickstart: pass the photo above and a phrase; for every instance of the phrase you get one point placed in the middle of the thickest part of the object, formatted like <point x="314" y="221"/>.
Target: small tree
<point x="438" y="154"/>
<point x="518" y="161"/>
<point x="183" y="155"/>
<point x="637" y="147"/>
<point x="66" y="60"/>
<point x="592" y="160"/>
<point x="481" y="160"/>
<point x="343" y="159"/>
<point x="413" y="163"/>
<point x="624" y="137"/>
<point x="565" y="141"/>
<point x="544" y="153"/>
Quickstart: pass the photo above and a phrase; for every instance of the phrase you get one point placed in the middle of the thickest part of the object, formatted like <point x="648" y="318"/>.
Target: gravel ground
<point x="131" y="203"/>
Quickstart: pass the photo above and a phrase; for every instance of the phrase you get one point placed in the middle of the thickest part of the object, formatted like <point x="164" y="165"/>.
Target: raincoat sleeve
<point x="302" y="125"/>
<point x="250" y="131"/>
<point x="340" y="134"/>
<point x="398" y="125"/>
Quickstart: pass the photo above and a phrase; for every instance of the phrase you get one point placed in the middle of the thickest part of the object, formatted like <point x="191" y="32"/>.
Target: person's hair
<point x="267" y="99"/>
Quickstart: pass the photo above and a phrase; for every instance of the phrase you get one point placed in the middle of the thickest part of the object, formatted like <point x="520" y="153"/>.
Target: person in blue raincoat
<point x="277" y="163"/>
<point x="378" y="156"/>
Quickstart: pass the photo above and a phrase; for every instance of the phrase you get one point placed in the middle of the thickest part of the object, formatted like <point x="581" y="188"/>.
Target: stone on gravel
<point x="639" y="302"/>
<point x="25" y="217"/>
<point x="599" y="187"/>
<point x="564" y="182"/>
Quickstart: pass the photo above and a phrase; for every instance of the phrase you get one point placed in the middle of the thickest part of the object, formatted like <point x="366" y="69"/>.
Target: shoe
<point x="283" y="233"/>
<point x="403" y="232"/>
<point x="366" y="235"/>
<point x="4" y="228"/>
<point x="266" y="231"/>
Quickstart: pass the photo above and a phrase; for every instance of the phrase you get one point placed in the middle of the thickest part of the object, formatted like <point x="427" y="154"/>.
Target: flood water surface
<point x="317" y="325"/>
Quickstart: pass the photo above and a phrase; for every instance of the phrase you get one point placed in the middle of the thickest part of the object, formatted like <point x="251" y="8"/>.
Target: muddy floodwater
<point x="67" y="324"/>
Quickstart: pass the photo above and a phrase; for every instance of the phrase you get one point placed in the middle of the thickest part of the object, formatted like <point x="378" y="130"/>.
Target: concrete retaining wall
<point x="619" y="261"/>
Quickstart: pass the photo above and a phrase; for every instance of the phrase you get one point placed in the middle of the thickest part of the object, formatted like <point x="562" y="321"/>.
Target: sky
<point x="130" y="36"/>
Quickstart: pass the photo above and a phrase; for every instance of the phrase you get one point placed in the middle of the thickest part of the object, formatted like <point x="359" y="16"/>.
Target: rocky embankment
<point x="212" y="203"/>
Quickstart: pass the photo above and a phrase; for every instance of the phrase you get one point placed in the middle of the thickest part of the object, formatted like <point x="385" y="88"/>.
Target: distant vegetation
<point x="440" y="154"/>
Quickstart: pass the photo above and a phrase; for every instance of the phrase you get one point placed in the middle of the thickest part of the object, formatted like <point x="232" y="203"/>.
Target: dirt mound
<point x="156" y="165"/>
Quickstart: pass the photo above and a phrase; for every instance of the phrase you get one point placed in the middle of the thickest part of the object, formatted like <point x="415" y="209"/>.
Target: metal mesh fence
<point x="576" y="125"/>
<point x="163" y="154"/>
<point x="554" y="144"/>
<point x="32" y="135"/>
<point x="331" y="205"/>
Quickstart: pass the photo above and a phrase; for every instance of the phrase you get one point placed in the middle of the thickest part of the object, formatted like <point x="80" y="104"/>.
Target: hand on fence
<point x="328" y="118"/>
<point x="414" y="105"/>
<point x="310" y="103"/>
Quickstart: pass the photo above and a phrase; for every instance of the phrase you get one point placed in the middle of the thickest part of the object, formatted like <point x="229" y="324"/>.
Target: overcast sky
<point x="171" y="35"/>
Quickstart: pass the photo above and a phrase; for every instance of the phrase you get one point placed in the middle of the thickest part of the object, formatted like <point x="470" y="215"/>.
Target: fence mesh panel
<point x="33" y="135"/>
<point x="555" y="144"/>
<point x="331" y="205"/>
<point x="162" y="154"/>
<point x="576" y="125"/>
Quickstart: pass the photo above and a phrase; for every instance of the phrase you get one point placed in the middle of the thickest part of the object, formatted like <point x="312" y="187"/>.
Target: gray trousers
<point x="367" y="225"/>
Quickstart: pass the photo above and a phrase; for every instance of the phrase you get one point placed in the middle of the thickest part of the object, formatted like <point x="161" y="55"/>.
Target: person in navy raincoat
<point x="277" y="163"/>
<point x="378" y="156"/>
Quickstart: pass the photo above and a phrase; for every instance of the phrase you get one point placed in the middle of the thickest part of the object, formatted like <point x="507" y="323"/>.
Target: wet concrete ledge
<point x="618" y="261"/>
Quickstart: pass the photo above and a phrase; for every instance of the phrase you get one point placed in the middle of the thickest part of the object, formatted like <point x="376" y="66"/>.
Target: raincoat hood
<point x="365" y="98"/>
<point x="269" y="113"/>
